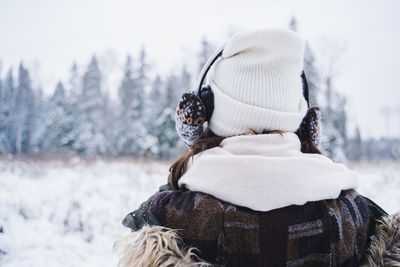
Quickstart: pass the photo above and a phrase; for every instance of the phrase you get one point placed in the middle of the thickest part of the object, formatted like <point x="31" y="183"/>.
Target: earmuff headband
<point x="210" y="61"/>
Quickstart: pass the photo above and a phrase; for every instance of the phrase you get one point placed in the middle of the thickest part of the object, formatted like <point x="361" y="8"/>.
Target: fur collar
<point x="384" y="249"/>
<point x="266" y="172"/>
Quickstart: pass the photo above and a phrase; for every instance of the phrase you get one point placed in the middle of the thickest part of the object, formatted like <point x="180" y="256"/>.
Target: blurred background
<point x="88" y="91"/>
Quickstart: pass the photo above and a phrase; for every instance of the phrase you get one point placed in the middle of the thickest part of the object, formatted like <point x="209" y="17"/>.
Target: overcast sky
<point x="48" y="35"/>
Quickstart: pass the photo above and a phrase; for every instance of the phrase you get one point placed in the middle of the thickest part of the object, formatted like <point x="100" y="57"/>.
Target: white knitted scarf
<point x="266" y="172"/>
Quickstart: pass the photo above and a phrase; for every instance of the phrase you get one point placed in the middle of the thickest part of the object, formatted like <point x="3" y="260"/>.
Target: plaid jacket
<point x="322" y="233"/>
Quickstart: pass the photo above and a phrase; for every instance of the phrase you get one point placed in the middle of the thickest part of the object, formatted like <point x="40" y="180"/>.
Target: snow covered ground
<point x="68" y="213"/>
<point x="380" y="182"/>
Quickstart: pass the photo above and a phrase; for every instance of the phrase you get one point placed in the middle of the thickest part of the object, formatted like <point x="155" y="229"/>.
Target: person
<point x="254" y="189"/>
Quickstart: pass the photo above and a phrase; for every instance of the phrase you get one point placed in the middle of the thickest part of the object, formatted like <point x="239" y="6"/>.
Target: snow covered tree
<point x="7" y="103"/>
<point x="59" y="122"/>
<point x="131" y="131"/>
<point x="39" y="124"/>
<point x="165" y="124"/>
<point x="4" y="145"/>
<point x="355" y="145"/>
<point x="73" y="93"/>
<point x="3" y="135"/>
<point x="90" y="129"/>
<point x="141" y="78"/>
<point x="110" y="109"/>
<point x="1" y="82"/>
<point x="155" y="100"/>
<point x="340" y="121"/>
<point x="155" y="104"/>
<point x="23" y="112"/>
<point x="74" y="84"/>
<point x="334" y="121"/>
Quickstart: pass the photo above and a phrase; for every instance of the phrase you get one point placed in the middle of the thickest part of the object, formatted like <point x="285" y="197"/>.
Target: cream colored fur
<point x="384" y="250"/>
<point x="154" y="246"/>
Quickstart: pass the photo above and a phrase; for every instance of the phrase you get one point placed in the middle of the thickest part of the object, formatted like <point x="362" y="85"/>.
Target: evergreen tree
<point x="4" y="145"/>
<point x="334" y="121"/>
<point x="131" y="131"/>
<point x="354" y="150"/>
<point x="110" y="116"/>
<point x="3" y="136"/>
<point x="59" y="122"/>
<point x="90" y="129"/>
<point x="39" y="124"/>
<point x="165" y="125"/>
<point x="357" y="145"/>
<point x="1" y="82"/>
<point x="142" y="79"/>
<point x="155" y="97"/>
<point x="7" y="107"/>
<point x="154" y="106"/>
<point x="24" y="112"/>
<point x="74" y="83"/>
<point x="340" y="121"/>
<point x="73" y="102"/>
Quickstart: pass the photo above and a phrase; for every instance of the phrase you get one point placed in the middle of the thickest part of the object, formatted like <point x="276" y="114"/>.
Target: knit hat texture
<point x="257" y="84"/>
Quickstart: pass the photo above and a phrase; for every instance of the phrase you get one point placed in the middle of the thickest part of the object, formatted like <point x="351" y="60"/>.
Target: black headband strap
<point x="305" y="88"/>
<point x="217" y="53"/>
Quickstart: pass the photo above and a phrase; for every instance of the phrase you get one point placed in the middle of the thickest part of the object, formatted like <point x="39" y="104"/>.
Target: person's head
<point x="257" y="88"/>
<point x="257" y="83"/>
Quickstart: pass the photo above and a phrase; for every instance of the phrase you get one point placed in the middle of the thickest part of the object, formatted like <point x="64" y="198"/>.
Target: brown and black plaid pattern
<point x="322" y="233"/>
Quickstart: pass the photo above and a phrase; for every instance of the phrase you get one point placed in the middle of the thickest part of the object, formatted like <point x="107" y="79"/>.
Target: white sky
<point x="48" y="35"/>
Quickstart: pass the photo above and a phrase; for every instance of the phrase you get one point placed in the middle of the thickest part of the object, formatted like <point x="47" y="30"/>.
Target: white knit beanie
<point x="257" y="84"/>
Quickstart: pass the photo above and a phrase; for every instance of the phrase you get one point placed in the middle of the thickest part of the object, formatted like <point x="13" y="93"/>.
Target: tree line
<point x="80" y="117"/>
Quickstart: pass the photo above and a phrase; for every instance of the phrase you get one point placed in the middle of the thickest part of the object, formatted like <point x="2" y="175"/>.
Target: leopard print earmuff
<point x="197" y="107"/>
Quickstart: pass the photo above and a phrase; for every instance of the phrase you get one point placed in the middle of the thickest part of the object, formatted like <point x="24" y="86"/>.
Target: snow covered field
<point x="380" y="182"/>
<point x="68" y="213"/>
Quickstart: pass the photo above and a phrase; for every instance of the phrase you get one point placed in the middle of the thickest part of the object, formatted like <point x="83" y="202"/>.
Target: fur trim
<point x="384" y="249"/>
<point x="154" y="246"/>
